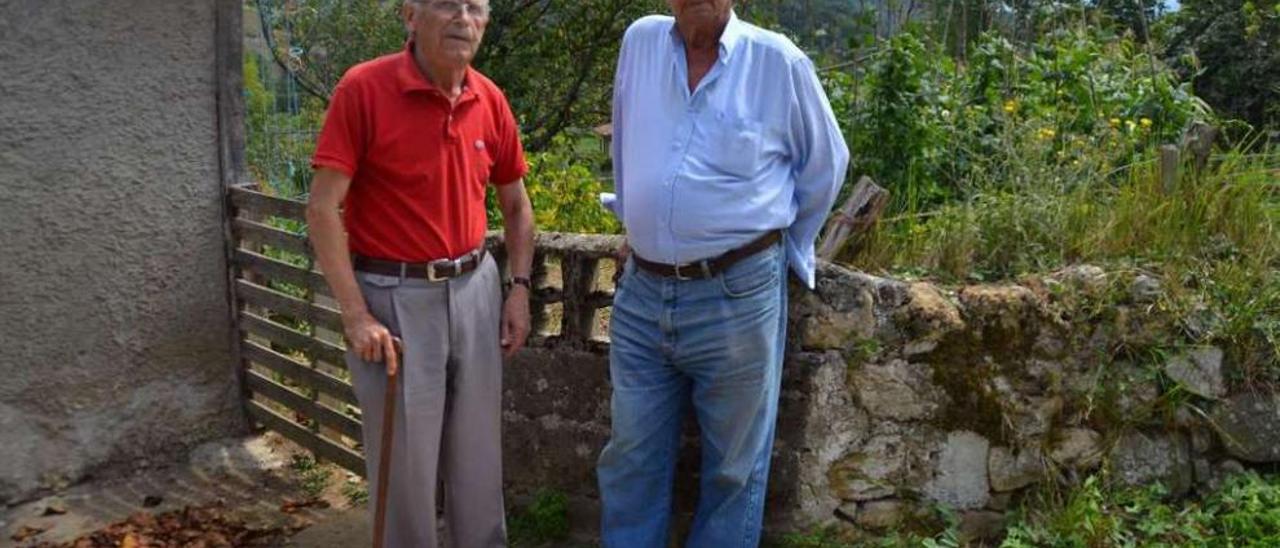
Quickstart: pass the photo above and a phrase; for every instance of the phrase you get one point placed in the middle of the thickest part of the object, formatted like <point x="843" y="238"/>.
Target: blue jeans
<point x="719" y="342"/>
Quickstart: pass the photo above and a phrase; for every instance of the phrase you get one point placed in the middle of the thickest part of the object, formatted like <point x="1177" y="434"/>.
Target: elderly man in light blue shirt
<point x="727" y="159"/>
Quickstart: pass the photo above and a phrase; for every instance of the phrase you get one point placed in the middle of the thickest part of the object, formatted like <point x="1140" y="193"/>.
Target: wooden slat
<point x="282" y="271"/>
<point x="248" y="200"/>
<point x="323" y="448"/>
<point x="257" y="295"/>
<point x="282" y="394"/>
<point x="298" y="372"/>
<point x="272" y="236"/>
<point x="317" y="349"/>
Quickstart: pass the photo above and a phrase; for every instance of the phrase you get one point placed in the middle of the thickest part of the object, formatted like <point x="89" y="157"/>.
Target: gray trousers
<point x="448" y="418"/>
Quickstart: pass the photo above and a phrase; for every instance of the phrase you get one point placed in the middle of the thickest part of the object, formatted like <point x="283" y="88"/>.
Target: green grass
<point x="1054" y="216"/>
<point x="1211" y="240"/>
<point x="356" y="492"/>
<point x="313" y="476"/>
<point x="544" y="522"/>
<point x="830" y="538"/>
<point x="1244" y="512"/>
<point x="824" y="538"/>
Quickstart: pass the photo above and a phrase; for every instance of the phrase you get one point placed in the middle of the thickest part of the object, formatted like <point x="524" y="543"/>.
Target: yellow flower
<point x="1010" y="106"/>
<point x="1130" y="125"/>
<point x="1146" y="122"/>
<point x="1047" y="133"/>
<point x="1115" y="122"/>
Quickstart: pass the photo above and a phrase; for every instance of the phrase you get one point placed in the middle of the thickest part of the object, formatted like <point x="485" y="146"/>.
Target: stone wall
<point x="898" y="396"/>
<point x="114" y="322"/>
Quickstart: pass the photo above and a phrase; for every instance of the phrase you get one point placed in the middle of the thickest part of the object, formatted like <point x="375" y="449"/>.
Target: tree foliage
<point x="1230" y="50"/>
<point x="554" y="59"/>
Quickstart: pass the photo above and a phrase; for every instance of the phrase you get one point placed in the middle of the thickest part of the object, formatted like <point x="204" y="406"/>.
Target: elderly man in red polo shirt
<point x="409" y="145"/>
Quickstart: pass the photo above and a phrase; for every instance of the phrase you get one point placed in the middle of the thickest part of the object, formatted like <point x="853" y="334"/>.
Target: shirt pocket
<point x="734" y="145"/>
<point x="480" y="159"/>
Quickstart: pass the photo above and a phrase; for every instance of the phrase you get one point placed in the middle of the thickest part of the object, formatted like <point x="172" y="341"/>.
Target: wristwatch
<point x="520" y="280"/>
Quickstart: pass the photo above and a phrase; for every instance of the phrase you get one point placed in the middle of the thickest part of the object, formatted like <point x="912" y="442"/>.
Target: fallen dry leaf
<point x="142" y="520"/>
<point x="292" y="506"/>
<point x="190" y="527"/>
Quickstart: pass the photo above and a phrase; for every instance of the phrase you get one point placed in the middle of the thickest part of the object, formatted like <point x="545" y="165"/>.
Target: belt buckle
<point x="682" y="277"/>
<point x="676" y="269"/>
<point x="432" y="276"/>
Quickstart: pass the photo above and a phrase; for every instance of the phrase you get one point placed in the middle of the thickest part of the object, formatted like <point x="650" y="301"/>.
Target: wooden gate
<point x="290" y="331"/>
<point x="290" y="344"/>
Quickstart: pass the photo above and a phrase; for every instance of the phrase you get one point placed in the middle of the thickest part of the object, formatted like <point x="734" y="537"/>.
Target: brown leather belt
<point x="709" y="268"/>
<point x="435" y="271"/>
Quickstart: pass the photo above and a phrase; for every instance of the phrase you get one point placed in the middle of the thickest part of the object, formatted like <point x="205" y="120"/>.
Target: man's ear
<point x="406" y="15"/>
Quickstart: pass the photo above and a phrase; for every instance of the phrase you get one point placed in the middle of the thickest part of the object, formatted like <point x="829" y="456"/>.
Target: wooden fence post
<point x="1198" y="143"/>
<point x="858" y="214"/>
<point x="1169" y="164"/>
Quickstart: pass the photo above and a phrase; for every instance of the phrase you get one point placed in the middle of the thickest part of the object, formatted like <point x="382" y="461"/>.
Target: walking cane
<point x="384" y="457"/>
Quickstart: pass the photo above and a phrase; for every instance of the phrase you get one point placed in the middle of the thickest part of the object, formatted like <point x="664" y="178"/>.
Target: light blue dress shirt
<point x="754" y="148"/>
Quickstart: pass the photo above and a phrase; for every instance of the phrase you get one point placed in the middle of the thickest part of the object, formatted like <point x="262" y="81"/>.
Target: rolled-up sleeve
<point x="820" y="159"/>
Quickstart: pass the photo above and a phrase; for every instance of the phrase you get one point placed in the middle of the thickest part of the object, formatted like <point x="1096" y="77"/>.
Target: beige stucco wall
<point x="114" y="334"/>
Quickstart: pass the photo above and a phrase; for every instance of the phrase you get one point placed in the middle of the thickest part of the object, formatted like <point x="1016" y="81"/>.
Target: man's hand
<point x="515" y="320"/>
<point x="621" y="255"/>
<point x="371" y="340"/>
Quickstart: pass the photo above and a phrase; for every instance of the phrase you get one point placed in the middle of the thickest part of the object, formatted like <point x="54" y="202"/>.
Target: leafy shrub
<point x="1244" y="512"/>
<point x="564" y="187"/>
<point x="281" y="128"/>
<point x="933" y="131"/>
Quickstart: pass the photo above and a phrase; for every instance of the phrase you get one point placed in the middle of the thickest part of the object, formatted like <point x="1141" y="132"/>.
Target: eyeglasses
<point x="454" y="8"/>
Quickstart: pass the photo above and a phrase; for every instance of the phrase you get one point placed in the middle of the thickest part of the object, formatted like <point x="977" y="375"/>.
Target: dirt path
<point x="255" y="484"/>
<point x="257" y="491"/>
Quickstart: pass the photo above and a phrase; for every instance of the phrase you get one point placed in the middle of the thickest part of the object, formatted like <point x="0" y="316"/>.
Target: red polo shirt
<point x="418" y="165"/>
